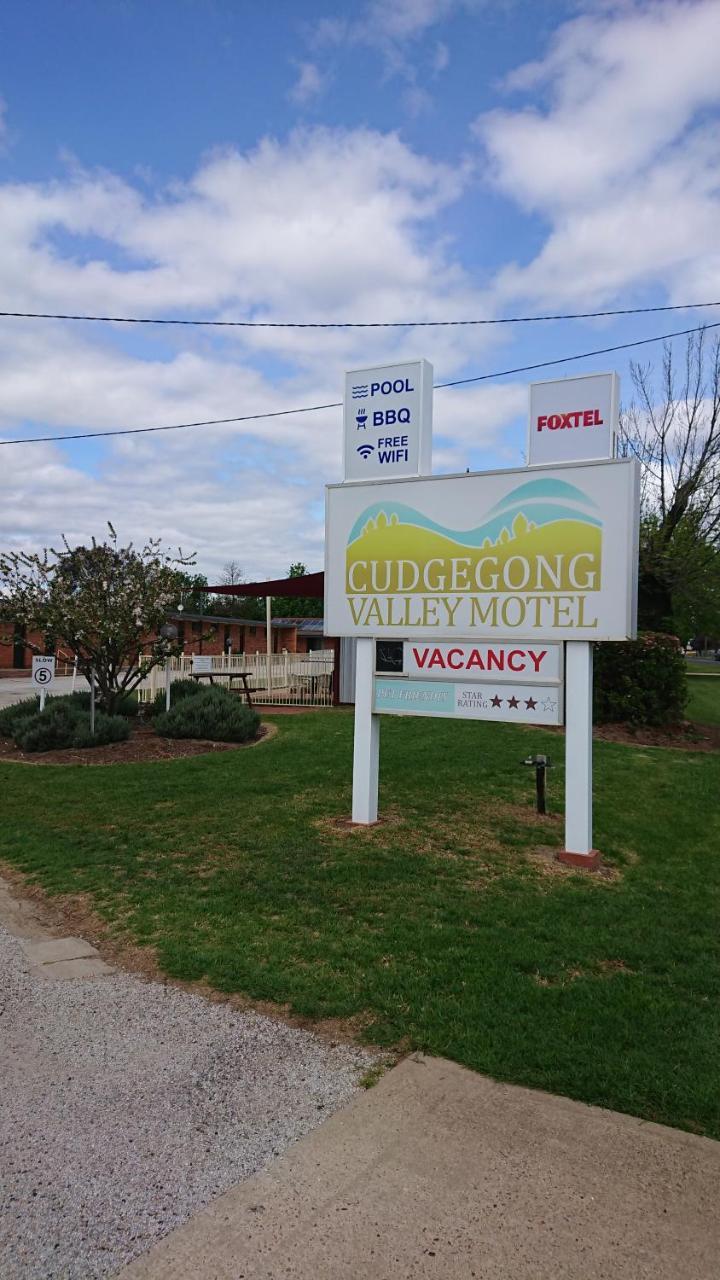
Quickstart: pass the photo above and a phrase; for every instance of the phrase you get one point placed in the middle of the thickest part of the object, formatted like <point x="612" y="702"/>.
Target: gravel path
<point x="127" y="1105"/>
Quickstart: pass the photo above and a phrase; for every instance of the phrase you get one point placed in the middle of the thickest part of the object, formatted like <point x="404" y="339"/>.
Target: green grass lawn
<point x="441" y="928"/>
<point x="704" y="703"/>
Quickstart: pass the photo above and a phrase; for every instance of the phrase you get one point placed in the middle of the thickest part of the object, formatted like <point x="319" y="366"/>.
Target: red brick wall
<point x="7" y="650"/>
<point x="210" y="637"/>
<point x="214" y="640"/>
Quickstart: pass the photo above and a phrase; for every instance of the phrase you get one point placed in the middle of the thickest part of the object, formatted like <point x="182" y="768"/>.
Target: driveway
<point x="127" y="1105"/>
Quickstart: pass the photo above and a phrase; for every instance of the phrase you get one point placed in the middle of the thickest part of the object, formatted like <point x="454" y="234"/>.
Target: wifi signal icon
<point x="365" y="450"/>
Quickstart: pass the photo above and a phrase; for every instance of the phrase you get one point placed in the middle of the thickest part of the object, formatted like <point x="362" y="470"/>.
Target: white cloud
<point x="396" y="30"/>
<point x="620" y="162"/>
<point x="310" y="84"/>
<point x="329" y="225"/>
<point x="397" y="22"/>
<point x="307" y="225"/>
<point x="441" y="58"/>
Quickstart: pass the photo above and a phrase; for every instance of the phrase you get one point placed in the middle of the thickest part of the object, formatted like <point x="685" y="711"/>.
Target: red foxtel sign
<point x="530" y="662"/>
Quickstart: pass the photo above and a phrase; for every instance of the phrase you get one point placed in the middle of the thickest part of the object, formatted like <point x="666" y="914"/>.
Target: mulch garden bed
<point x="688" y="736"/>
<point x="144" y="744"/>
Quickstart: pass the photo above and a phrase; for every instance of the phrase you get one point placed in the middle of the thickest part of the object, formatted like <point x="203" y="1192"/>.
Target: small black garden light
<point x="540" y="764"/>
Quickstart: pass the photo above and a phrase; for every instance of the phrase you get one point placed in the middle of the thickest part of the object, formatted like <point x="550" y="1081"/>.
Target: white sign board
<point x="43" y="671"/>
<point x="498" y="662"/>
<point x="201" y="662"/>
<point x="549" y="554"/>
<point x="514" y="703"/>
<point x="387" y="420"/>
<point x="573" y="419"/>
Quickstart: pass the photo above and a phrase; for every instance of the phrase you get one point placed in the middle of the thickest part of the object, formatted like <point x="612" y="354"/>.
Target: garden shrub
<point x="11" y="717"/>
<point x="63" y="725"/>
<point x="107" y="729"/>
<point x="48" y="730"/>
<point x="179" y="690"/>
<point x="641" y="681"/>
<point x="213" y="714"/>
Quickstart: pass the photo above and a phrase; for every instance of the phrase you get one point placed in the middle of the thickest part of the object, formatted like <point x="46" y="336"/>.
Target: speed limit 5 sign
<point x="43" y="671"/>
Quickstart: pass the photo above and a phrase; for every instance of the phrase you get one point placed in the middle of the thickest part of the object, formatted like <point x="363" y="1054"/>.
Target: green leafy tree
<point x="105" y="602"/>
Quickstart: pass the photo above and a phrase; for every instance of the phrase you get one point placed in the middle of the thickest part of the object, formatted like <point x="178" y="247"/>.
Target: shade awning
<point x="310" y="585"/>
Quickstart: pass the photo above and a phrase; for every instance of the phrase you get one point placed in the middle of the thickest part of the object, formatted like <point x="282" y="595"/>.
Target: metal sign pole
<point x="92" y="701"/>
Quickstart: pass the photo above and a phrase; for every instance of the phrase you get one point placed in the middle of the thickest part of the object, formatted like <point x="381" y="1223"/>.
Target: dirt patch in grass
<point x="345" y="826"/>
<point x="143" y="745"/>
<point x="544" y="860"/>
<point x="597" y="969"/>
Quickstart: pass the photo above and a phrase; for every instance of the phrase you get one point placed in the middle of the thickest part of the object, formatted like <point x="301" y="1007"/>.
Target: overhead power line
<point x="337" y="404"/>
<point x="355" y="324"/>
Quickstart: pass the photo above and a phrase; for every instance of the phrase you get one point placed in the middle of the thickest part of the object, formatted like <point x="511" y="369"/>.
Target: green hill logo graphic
<point x="545" y="535"/>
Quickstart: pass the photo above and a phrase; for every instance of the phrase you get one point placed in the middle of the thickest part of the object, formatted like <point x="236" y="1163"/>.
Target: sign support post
<point x="578" y="849"/>
<point x="366" y="748"/>
<point x="268" y="642"/>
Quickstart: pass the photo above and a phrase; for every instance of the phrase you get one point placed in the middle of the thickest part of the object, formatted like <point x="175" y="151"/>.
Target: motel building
<point x="197" y="633"/>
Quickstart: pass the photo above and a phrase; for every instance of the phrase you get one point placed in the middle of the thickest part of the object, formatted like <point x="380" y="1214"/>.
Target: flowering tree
<point x="106" y="602"/>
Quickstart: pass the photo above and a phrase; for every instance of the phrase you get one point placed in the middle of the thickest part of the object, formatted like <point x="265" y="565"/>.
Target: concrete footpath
<point x="438" y="1172"/>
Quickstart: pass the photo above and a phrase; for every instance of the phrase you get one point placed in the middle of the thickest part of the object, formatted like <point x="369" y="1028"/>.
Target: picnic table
<point x="212" y="676"/>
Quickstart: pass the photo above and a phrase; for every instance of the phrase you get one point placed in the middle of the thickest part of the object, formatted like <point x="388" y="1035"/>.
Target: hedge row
<point x="641" y="681"/>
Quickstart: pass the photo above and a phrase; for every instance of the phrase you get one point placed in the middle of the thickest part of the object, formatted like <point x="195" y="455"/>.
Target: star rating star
<point x="514" y="703"/>
<point x="496" y="702"/>
<point x="548" y="704"/>
<point x="531" y="704"/>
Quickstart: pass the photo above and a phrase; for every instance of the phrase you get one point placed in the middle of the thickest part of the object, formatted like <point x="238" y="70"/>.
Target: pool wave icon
<point x="360" y="391"/>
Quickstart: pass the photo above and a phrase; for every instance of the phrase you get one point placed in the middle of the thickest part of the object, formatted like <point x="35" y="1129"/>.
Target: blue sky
<point x="310" y="161"/>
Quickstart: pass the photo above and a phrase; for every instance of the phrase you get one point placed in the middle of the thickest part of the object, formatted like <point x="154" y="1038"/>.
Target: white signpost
<point x="483" y="576"/>
<point x="573" y="419"/>
<point x="43" y="675"/>
<point x="201" y="662"/>
<point x="387" y="419"/>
